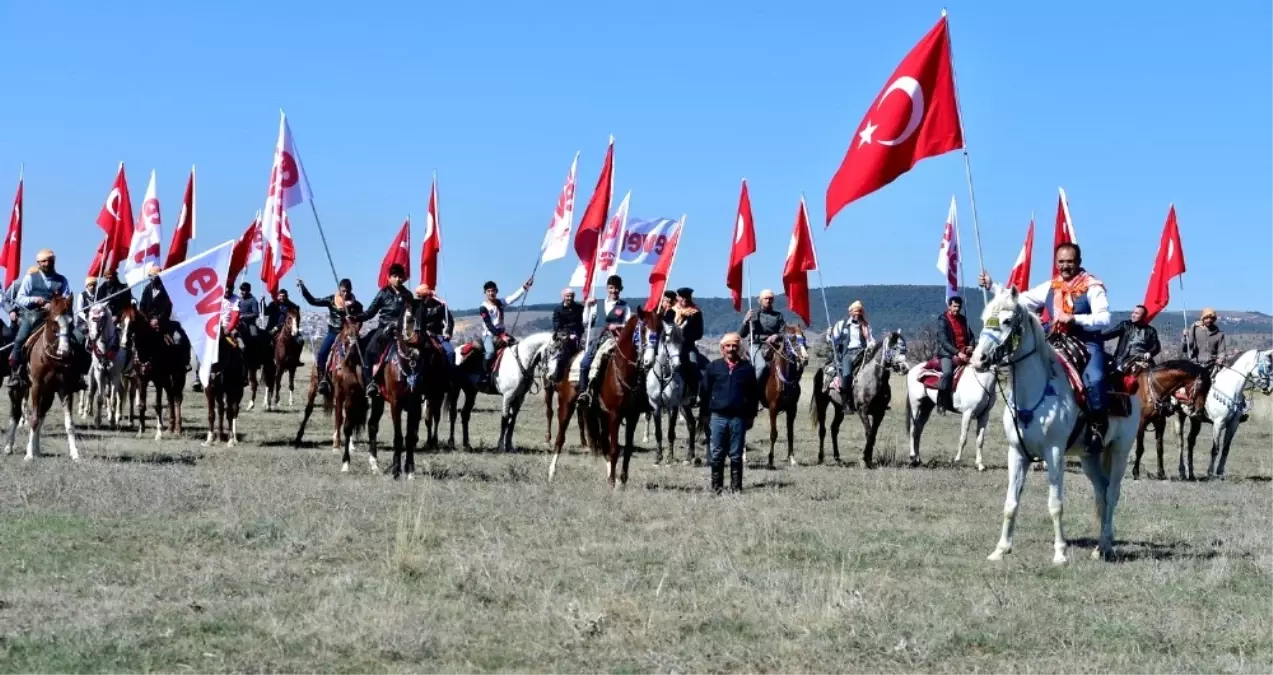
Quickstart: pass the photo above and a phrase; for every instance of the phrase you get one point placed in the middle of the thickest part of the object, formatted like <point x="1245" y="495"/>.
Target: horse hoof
<point x="205" y="444"/>
<point x="411" y="476"/>
<point x="981" y="467"/>
<point x="1059" y="558"/>
<point x="998" y="554"/>
<point x="915" y="462"/>
<point x="793" y="461"/>
<point x="344" y="467"/>
<point x="231" y="443"/>
<point x="1161" y="475"/>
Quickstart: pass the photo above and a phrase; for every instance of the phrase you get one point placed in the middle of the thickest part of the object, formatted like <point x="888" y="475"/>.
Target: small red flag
<point x="663" y="268"/>
<point x="1064" y="232"/>
<point x="116" y="220"/>
<point x="900" y="130"/>
<point x="184" y="232"/>
<point x="1019" y="277"/>
<point x="801" y="259"/>
<point x="1169" y="264"/>
<point x="242" y="248"/>
<point x="399" y="253"/>
<point x="743" y="245"/>
<point x="594" y="220"/>
<point x="11" y="252"/>
<point x="432" y="243"/>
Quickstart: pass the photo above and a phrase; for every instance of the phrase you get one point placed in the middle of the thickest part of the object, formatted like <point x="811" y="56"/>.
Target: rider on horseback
<point x="1077" y="304"/>
<point x="1204" y="342"/>
<point x="83" y="302"/>
<point x="115" y="293"/>
<point x="492" y="313"/>
<point x="276" y="312"/>
<point x="690" y="319"/>
<point x="568" y="329"/>
<point x="338" y="306"/>
<point x="433" y="318"/>
<point x="156" y="305"/>
<point x="1137" y="341"/>
<point x="615" y="316"/>
<point x="388" y="307"/>
<point x="954" y="346"/>
<point x="40" y="285"/>
<point x="230" y="317"/>
<point x="249" y="311"/>
<point x="849" y="337"/>
<point x="667" y="307"/>
<point x="765" y="329"/>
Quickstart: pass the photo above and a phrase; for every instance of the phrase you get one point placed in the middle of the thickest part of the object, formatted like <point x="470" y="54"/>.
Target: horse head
<point x="293" y="322"/>
<point x="61" y="318"/>
<point x="796" y="345"/>
<point x="101" y="329"/>
<point x="1007" y="330"/>
<point x="1264" y="371"/>
<point x="895" y="352"/>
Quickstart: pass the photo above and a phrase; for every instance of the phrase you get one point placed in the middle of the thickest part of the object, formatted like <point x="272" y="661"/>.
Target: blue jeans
<point x="846" y="366"/>
<point x="1094" y="376"/>
<point x="488" y="344"/>
<point x="325" y="350"/>
<point x="727" y="433"/>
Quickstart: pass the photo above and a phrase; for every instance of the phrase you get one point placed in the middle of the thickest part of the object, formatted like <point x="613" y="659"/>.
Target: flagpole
<point x="821" y="284"/>
<point x="972" y="198"/>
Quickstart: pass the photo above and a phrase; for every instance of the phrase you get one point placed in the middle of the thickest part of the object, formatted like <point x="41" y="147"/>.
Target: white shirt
<point x="497" y="312"/>
<point x="1035" y="298"/>
<point x="851" y="333"/>
<point x="229" y="311"/>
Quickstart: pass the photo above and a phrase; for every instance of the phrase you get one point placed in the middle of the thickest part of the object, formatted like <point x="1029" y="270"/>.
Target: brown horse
<point x="286" y="358"/>
<point x="224" y="392"/>
<point x="780" y="390"/>
<point x="348" y="397"/>
<point x="53" y="371"/>
<point x="400" y="389"/>
<point x="564" y="392"/>
<point x="870" y="389"/>
<point x="156" y="361"/>
<point x="1158" y="392"/>
<point x="620" y="399"/>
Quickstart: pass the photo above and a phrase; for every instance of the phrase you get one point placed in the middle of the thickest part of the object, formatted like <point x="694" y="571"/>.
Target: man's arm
<point x="559" y="315"/>
<point x="1115" y="331"/>
<point x="448" y="324"/>
<point x="313" y="302"/>
<point x="945" y="341"/>
<point x="24" y="299"/>
<point x="1099" y="317"/>
<point x="1152" y="342"/>
<point x="370" y="311"/>
<point x="485" y="313"/>
<point x="517" y="294"/>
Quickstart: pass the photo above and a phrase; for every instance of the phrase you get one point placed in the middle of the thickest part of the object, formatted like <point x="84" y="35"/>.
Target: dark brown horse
<point x="620" y="399"/>
<point x="870" y="389"/>
<point x="286" y="358"/>
<point x="347" y="402"/>
<point x="159" y="362"/>
<point x="434" y="387"/>
<point x="780" y="390"/>
<point x="53" y="371"/>
<point x="224" y="392"/>
<point x="400" y="386"/>
<point x="1159" y="387"/>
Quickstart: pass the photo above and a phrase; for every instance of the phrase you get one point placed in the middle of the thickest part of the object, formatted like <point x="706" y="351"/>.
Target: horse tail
<point x="814" y="408"/>
<point x="908" y="409"/>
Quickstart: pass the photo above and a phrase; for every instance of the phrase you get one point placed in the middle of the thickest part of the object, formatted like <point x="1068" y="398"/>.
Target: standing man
<point x="954" y="346"/>
<point x="765" y="328"/>
<point x="1204" y="342"/>
<point x="730" y="383"/>
<point x="1137" y="341"/>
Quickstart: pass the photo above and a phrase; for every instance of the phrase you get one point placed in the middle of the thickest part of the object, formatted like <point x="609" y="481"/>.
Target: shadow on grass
<point x="1134" y="551"/>
<point x="152" y="458"/>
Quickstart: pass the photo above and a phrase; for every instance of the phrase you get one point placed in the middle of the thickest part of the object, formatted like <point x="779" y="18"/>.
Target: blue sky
<point x="1129" y="106"/>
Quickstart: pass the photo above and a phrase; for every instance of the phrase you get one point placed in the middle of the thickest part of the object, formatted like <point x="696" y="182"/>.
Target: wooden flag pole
<point x="972" y="197"/>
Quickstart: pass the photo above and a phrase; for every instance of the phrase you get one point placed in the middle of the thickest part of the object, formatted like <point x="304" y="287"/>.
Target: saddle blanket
<point x="1120" y="388"/>
<point x="598" y="359"/>
<point x="930" y="376"/>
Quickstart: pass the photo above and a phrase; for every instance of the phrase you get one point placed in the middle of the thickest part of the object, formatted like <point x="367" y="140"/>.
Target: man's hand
<point x="1064" y="318"/>
<point x="984" y="281"/>
<point x="771" y="340"/>
<point x="154" y="323"/>
<point x="40" y="302"/>
<point x="968" y="350"/>
<point x="300" y="283"/>
<point x="529" y="282"/>
<point x="751" y="314"/>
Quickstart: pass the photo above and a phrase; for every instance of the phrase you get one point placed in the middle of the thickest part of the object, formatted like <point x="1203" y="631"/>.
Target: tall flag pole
<point x="11" y="252"/>
<point x="742" y="244"/>
<point x="972" y="195"/>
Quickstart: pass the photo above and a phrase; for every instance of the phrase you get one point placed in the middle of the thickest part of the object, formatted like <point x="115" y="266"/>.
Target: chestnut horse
<point x="780" y="390"/>
<point x="1158" y="387"/>
<point x="620" y="399"/>
<point x="348" y="397"/>
<point x="400" y="389"/>
<point x="53" y="371"/>
<point x="564" y="392"/>
<point x="286" y="359"/>
<point x="157" y="362"/>
<point x="224" y="392"/>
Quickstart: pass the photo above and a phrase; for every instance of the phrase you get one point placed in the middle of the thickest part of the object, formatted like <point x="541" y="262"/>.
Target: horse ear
<point x="1013" y="293"/>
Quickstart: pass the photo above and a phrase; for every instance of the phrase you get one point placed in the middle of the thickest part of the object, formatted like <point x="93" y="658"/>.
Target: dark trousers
<point x="325" y="350"/>
<point x="376" y="345"/>
<point x="947" y="373"/>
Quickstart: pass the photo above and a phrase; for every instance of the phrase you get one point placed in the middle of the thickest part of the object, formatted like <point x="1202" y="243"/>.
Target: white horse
<point x="664" y="384"/>
<point x="1225" y="405"/>
<point x="1043" y="419"/>
<point x="516" y="372"/>
<point x="106" y="384"/>
<point x="973" y="397"/>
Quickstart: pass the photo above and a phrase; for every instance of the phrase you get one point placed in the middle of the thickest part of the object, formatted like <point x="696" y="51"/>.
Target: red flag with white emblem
<point x="1169" y="264"/>
<point x="1019" y="277"/>
<point x="432" y="243"/>
<point x="143" y="250"/>
<point x="948" y="254"/>
<point x="240" y="255"/>
<point x="399" y="253"/>
<point x="184" y="232"/>
<point x="743" y="245"/>
<point x="1064" y="232"/>
<point x="663" y="268"/>
<point x="288" y="188"/>
<point x="594" y="221"/>
<point x="916" y="116"/>
<point x="11" y="253"/>
<point x="116" y="220"/>
<point x="801" y="259"/>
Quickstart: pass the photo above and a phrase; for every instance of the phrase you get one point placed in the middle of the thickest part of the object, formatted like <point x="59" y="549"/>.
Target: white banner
<point x="557" y="239"/>
<point x="144" y="248"/>
<point x="644" y="240"/>
<point x="196" y="288"/>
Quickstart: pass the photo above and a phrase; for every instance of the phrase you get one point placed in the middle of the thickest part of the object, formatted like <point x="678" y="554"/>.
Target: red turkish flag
<point x="663" y="268"/>
<point x="1019" y="277"/>
<point x="594" y="220"/>
<point x="242" y="248"/>
<point x="399" y="253"/>
<point x="900" y="130"/>
<point x="743" y="245"/>
<point x="116" y="220"/>
<point x="1064" y="232"/>
<point x="184" y="232"/>
<point x="801" y="259"/>
<point x="1169" y="264"/>
<point x="432" y="243"/>
<point x="11" y="252"/>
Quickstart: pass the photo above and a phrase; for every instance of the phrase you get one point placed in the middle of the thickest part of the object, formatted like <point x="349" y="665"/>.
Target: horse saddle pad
<point x="930" y="376"/>
<point x="598" y="360"/>
<point x="1072" y="356"/>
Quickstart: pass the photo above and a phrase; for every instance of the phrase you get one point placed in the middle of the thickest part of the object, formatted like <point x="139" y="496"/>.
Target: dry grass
<point x="263" y="558"/>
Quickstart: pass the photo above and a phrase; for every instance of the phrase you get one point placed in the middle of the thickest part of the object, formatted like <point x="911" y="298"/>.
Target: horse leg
<point x="395" y="415"/>
<point x="773" y="432"/>
<point x="210" y="396"/>
<point x="791" y="433"/>
<point x="68" y="421"/>
<point x="175" y="397"/>
<point x="1056" y="498"/>
<point x="1195" y="427"/>
<point x="820" y="421"/>
<point x="629" y="429"/>
<point x="1140" y="448"/>
<point x="964" y="422"/>
<point x="566" y="408"/>
<point x="140" y="396"/>
<point x="691" y="430"/>
<point x="1160" y="424"/>
<point x="871" y="425"/>
<point x="465" y="414"/>
<point x="159" y="410"/>
<point x="291" y="387"/>
<point x="509" y="446"/>
<point x="612" y="452"/>
<point x="837" y="416"/>
<point x="36" y="420"/>
<point x="1100" y="493"/>
<point x="1017" y="468"/>
<point x="373" y="428"/>
<point x="15" y="413"/>
<point x="548" y="413"/>
<point x="982" y="420"/>
<point x="657" y="415"/>
<point x="582" y="423"/>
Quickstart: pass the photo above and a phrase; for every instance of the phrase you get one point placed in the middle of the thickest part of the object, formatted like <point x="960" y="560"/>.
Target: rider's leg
<point x="846" y="377"/>
<point x="488" y="349"/>
<point x="16" y="358"/>
<point x="585" y="365"/>
<point x="1094" y="383"/>
<point x="945" y="397"/>
<point x="756" y="354"/>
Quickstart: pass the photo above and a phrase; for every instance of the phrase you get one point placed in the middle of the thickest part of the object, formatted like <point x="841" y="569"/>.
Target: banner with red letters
<point x="197" y="287"/>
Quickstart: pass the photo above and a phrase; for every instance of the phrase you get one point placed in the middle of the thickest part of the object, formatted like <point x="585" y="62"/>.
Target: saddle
<point x="930" y="376"/>
<point x="599" y="360"/>
<point x="831" y="373"/>
<point x="1073" y="356"/>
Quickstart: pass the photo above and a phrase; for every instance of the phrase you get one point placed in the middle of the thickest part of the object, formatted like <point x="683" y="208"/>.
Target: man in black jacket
<point x="690" y="318"/>
<point x="115" y="292"/>
<point x="433" y="318"/>
<point x="1136" y="340"/>
<point x="568" y="330"/>
<point x="276" y="312"/>
<point x="388" y="307"/>
<point x="730" y="384"/>
<point x="954" y="346"/>
<point x="338" y="306"/>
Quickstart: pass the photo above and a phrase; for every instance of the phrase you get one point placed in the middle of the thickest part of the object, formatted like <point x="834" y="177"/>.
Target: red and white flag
<point x="1064" y="233"/>
<point x="399" y="253"/>
<point x="916" y="116"/>
<point x="143" y="250"/>
<point x="609" y="249"/>
<point x="1019" y="277"/>
<point x="11" y="252"/>
<point x="1169" y="264"/>
<point x="948" y="255"/>
<point x="116" y="220"/>
<point x="588" y="236"/>
<point x="196" y="288"/>
<point x="743" y="245"/>
<point x="557" y="238"/>
<point x="801" y="259"/>
<point x="663" y="268"/>
<point x="241" y="256"/>
<point x="432" y="243"/>
<point x="184" y="232"/>
<point x="288" y="188"/>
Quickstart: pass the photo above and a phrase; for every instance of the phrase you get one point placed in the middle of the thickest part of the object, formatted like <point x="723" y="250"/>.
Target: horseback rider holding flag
<point x="492" y="313"/>
<point x="614" y="314"/>
<point x="764" y="328"/>
<point x="40" y="285"/>
<point x="338" y="307"/>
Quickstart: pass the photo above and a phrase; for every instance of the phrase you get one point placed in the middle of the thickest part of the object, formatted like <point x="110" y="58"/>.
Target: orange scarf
<point x="1064" y="292"/>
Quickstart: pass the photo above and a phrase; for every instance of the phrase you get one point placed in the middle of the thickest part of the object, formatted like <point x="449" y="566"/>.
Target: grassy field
<point x="171" y="557"/>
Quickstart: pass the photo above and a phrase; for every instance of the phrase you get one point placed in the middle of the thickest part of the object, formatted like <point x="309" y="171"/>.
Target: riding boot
<point x="718" y="478"/>
<point x="943" y="401"/>
<point x="1098" y="427"/>
<point x="735" y="476"/>
<point x="324" y="385"/>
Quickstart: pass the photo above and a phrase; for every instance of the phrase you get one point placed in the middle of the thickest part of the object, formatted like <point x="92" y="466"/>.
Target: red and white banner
<point x="116" y="220"/>
<point x="143" y="250"/>
<point x="184" y="232"/>
<point x="11" y="252"/>
<point x="399" y="253"/>
<point x="288" y="188"/>
<point x="801" y="259"/>
<point x="557" y="238"/>
<point x="432" y="244"/>
<point x="1169" y="264"/>
<point x="1064" y="232"/>
<point x="609" y="246"/>
<point x="196" y="287"/>
<point x="663" y="268"/>
<point x="243" y="249"/>
<point x="1019" y="277"/>
<point x="588" y="236"/>
<point x="743" y="245"/>
<point x="948" y="255"/>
